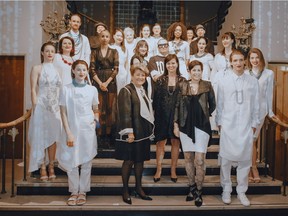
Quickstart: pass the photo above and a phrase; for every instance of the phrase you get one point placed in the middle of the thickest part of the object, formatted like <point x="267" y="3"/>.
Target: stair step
<point x="110" y="166"/>
<point x="107" y="185"/>
<point x="212" y="152"/>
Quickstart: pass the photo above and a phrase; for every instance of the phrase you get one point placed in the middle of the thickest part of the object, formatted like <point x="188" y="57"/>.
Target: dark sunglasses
<point x="163" y="45"/>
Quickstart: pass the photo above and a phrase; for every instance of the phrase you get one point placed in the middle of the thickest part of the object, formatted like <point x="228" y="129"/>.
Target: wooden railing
<point x="13" y="133"/>
<point x="268" y="141"/>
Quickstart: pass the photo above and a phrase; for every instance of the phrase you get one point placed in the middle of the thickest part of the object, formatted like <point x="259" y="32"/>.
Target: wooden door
<point x="281" y="110"/>
<point x="12" y="98"/>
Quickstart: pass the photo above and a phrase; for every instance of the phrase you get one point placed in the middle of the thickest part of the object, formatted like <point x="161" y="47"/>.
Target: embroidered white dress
<point x="78" y="102"/>
<point x="182" y="50"/>
<point x="64" y="69"/>
<point x="45" y="122"/>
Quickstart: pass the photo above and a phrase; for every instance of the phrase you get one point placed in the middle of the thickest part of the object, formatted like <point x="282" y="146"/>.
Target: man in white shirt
<point x="237" y="116"/>
<point x="82" y="46"/>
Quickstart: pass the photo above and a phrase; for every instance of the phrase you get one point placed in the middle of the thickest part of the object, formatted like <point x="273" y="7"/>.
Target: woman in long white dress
<point x="78" y="145"/>
<point x="122" y="78"/>
<point x="265" y="77"/>
<point x="45" y="122"/>
<point x="203" y="56"/>
<point x="177" y="37"/>
<point x="64" y="59"/>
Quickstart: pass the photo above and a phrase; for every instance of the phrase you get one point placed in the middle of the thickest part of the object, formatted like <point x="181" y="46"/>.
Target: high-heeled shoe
<point x="43" y="173"/>
<point x="198" y="198"/>
<point x="156" y="179"/>
<point x="127" y="199"/>
<point x="51" y="171"/>
<point x="174" y="179"/>
<point x="192" y="191"/>
<point x="143" y="197"/>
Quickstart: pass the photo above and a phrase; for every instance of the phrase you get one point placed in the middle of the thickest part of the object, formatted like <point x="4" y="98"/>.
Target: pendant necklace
<point x="239" y="93"/>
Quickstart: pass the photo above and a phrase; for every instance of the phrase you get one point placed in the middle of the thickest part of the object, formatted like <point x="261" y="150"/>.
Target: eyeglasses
<point x="163" y="45"/>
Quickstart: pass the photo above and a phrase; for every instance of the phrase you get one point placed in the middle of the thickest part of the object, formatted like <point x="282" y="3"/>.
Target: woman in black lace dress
<point x="103" y="70"/>
<point x="166" y="90"/>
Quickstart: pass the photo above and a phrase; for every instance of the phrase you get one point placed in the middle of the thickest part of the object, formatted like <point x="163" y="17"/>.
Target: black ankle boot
<point x="192" y="191"/>
<point x="198" y="198"/>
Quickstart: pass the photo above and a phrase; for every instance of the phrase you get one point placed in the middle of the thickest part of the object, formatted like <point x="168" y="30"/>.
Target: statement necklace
<point x="76" y="84"/>
<point x="256" y="75"/>
<point x="66" y="62"/>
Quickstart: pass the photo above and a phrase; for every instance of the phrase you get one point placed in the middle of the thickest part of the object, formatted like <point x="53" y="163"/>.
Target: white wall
<point x="237" y="10"/>
<point x="21" y="33"/>
<point x="271" y="20"/>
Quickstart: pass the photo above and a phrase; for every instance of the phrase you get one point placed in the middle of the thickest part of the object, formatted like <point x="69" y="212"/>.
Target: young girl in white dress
<point x="78" y="145"/>
<point x="122" y="78"/>
<point x="45" y="122"/>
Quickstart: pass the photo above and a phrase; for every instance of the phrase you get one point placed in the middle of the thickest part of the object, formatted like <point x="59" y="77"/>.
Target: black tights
<point x="126" y="171"/>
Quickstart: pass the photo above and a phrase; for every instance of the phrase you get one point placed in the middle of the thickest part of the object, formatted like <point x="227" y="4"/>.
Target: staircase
<point x="106" y="178"/>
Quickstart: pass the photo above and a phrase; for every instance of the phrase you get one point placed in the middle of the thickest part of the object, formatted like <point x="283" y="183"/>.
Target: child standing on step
<point x="78" y="106"/>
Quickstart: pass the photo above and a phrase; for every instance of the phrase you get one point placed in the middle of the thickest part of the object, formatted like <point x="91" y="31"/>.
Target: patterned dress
<point x="45" y="122"/>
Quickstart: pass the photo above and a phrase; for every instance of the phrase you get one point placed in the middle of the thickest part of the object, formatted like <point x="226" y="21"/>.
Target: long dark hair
<point x="168" y="58"/>
<point x="229" y="35"/>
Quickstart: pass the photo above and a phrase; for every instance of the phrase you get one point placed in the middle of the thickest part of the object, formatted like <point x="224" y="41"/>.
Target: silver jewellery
<point x="239" y="92"/>
<point x="239" y="96"/>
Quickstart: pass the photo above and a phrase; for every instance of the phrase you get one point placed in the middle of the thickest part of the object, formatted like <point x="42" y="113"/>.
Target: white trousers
<point x="243" y="169"/>
<point x="80" y="183"/>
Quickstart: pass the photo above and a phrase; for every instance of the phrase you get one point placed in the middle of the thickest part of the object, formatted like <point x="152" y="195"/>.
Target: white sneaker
<point x="243" y="199"/>
<point x="226" y="197"/>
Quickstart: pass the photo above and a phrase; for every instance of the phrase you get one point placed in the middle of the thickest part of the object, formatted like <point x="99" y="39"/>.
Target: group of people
<point x="133" y="91"/>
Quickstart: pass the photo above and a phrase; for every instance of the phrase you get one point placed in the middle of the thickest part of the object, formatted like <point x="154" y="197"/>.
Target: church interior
<point x="26" y="25"/>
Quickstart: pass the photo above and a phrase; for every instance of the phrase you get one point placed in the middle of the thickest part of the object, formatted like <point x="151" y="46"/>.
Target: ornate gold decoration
<point x="244" y="33"/>
<point x="54" y="26"/>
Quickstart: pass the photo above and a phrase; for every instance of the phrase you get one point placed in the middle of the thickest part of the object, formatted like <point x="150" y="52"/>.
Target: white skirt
<point x="200" y="145"/>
